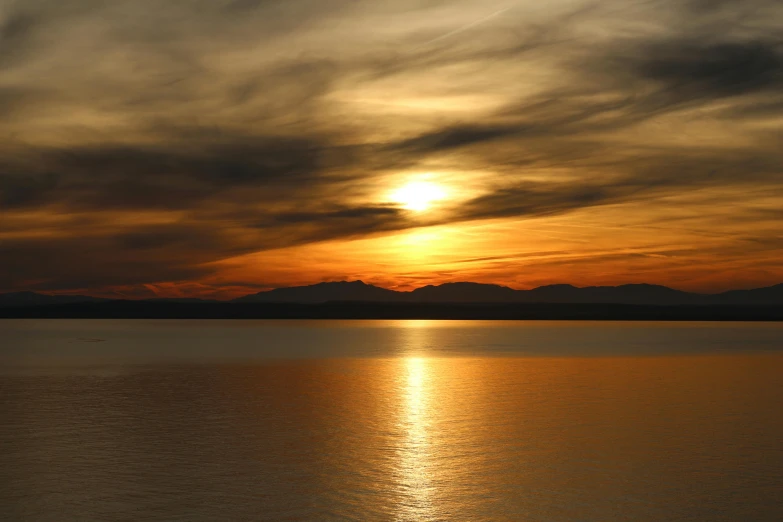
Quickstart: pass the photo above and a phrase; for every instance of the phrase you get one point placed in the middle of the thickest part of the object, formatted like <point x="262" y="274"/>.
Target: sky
<point x="215" y="148"/>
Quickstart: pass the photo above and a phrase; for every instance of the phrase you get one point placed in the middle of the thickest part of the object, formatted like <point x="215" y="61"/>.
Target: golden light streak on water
<point x="415" y="451"/>
<point x="415" y="456"/>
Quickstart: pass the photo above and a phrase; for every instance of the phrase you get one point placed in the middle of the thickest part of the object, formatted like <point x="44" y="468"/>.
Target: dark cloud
<point x="722" y="69"/>
<point x="454" y="137"/>
<point x="16" y="34"/>
<point x="172" y="177"/>
<point x="86" y="254"/>
<point x="345" y="213"/>
<point x="93" y="262"/>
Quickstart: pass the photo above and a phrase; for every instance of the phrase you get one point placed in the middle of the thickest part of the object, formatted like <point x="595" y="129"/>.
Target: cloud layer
<point x="147" y="143"/>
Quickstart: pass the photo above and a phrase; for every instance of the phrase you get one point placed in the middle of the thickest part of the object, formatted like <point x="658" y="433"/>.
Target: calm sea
<point x="390" y="420"/>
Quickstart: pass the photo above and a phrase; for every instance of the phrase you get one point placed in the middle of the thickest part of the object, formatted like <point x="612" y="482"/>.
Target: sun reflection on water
<point x="415" y="452"/>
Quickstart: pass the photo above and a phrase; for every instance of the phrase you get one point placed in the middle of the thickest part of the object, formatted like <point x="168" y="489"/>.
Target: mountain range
<point x="358" y="291"/>
<point x="638" y="294"/>
<point x="36" y="299"/>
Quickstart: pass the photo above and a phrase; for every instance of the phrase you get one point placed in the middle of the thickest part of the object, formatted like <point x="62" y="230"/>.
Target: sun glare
<point x="418" y="195"/>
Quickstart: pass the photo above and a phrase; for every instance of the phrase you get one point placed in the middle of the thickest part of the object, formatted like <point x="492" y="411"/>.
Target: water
<point x="390" y="420"/>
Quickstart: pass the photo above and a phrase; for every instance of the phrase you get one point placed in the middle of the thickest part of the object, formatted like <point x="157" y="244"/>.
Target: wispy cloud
<point x="168" y="137"/>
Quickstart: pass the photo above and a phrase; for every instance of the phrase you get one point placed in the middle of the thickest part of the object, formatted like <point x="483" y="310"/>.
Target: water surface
<point x="390" y="420"/>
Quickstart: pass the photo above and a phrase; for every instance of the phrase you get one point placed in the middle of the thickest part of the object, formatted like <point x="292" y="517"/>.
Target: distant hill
<point x="771" y="295"/>
<point x="181" y="300"/>
<point x="462" y="293"/>
<point x="323" y="293"/>
<point x="624" y="294"/>
<point x="636" y="294"/>
<point x="456" y="293"/>
<point x="36" y="299"/>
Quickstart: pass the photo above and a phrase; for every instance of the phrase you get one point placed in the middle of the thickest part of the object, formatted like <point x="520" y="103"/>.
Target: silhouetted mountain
<point x="638" y="294"/>
<point x="757" y="296"/>
<point x="456" y="293"/>
<point x="624" y="294"/>
<point x="180" y="300"/>
<point x="462" y="293"/>
<point x="324" y="292"/>
<point x="36" y="299"/>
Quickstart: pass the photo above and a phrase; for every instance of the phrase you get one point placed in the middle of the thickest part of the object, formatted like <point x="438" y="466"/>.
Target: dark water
<point x="390" y="420"/>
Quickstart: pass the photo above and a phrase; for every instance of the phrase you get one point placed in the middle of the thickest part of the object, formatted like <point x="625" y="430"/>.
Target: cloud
<point x="164" y="138"/>
<point x="721" y="69"/>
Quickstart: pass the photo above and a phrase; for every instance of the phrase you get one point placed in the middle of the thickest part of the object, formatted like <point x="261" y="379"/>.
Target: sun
<point x="418" y="195"/>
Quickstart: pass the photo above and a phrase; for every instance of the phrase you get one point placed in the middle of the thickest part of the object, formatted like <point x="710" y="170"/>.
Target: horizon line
<point x="125" y="298"/>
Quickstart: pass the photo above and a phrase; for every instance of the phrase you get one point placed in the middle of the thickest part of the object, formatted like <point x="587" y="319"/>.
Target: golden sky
<point x="219" y="147"/>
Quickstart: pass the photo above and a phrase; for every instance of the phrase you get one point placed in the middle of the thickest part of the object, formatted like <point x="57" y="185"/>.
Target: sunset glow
<point x="267" y="144"/>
